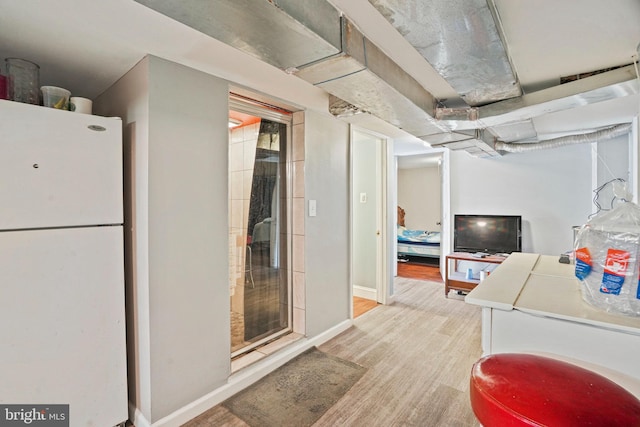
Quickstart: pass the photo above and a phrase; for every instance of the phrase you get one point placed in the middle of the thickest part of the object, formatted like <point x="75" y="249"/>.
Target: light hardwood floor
<point x="419" y="271"/>
<point x="405" y="269"/>
<point x="362" y="305"/>
<point x="418" y="352"/>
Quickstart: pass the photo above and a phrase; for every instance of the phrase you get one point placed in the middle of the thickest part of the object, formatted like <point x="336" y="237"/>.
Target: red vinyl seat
<point x="528" y="390"/>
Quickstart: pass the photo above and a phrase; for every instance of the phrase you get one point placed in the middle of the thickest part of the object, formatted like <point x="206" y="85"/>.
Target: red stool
<point x="528" y="390"/>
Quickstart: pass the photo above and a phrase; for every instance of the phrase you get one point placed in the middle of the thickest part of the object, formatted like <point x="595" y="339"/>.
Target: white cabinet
<point x="533" y="304"/>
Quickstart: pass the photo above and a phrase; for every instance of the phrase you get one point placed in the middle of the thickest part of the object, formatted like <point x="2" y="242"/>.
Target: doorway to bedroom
<point x="420" y="215"/>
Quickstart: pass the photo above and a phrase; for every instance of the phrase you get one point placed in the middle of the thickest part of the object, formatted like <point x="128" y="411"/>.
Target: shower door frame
<point x="272" y="113"/>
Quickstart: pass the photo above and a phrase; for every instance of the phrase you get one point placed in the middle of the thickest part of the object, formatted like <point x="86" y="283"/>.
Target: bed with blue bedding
<point x="418" y="243"/>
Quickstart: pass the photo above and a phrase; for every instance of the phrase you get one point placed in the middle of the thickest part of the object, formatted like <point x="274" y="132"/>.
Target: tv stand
<point x="453" y="279"/>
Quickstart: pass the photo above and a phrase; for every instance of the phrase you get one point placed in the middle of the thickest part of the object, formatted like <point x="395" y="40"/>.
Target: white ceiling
<point x="549" y="39"/>
<point x="86" y="45"/>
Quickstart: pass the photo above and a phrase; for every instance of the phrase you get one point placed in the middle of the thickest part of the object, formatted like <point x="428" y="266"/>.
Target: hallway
<point x="418" y="352"/>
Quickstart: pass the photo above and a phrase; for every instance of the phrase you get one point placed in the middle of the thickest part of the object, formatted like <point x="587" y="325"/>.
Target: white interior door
<point x="368" y="215"/>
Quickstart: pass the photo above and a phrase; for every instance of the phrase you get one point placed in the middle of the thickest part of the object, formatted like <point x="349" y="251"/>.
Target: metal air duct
<point x="310" y="39"/>
<point x="283" y="33"/>
<point x="460" y="39"/>
<point x="602" y="87"/>
<point x="368" y="79"/>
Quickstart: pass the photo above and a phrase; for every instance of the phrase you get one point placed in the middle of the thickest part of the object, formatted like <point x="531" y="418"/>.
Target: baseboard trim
<point x="363" y="292"/>
<point x="137" y="418"/>
<point x="244" y="378"/>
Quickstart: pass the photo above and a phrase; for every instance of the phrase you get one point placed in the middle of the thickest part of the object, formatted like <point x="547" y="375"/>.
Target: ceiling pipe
<point x="601" y="135"/>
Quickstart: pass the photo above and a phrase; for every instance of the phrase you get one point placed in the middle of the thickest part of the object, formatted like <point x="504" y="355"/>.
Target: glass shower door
<point x="260" y="284"/>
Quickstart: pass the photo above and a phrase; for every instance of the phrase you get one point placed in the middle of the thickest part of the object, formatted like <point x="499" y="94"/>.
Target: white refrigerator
<point x="62" y="312"/>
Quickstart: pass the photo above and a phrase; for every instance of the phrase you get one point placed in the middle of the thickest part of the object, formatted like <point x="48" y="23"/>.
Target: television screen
<point x="494" y="234"/>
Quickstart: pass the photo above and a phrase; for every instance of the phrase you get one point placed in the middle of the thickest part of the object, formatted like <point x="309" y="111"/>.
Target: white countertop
<point x="501" y="289"/>
<point x="541" y="286"/>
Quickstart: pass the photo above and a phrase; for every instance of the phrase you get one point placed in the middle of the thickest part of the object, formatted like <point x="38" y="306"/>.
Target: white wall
<point x="551" y="189"/>
<point x="612" y="160"/>
<point x="188" y="229"/>
<point x="365" y="160"/>
<point x="419" y="196"/>
<point x="128" y="99"/>
<point x="327" y="235"/>
<point x="178" y="293"/>
<point x="176" y="155"/>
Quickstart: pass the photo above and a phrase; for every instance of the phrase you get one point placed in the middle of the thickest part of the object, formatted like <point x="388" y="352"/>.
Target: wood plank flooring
<point x="362" y="305"/>
<point x="418" y="352"/>
<point x="405" y="269"/>
<point x="419" y="271"/>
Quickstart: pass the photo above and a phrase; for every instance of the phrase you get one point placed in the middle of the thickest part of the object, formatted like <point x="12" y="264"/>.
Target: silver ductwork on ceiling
<point x="363" y="76"/>
<point x="599" y="88"/>
<point x="463" y="41"/>
<point x="286" y="37"/>
<point x="459" y="39"/>
<point x="313" y="41"/>
<point x="511" y="120"/>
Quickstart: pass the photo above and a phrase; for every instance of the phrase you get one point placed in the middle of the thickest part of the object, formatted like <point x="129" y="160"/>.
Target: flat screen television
<point x="494" y="234"/>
